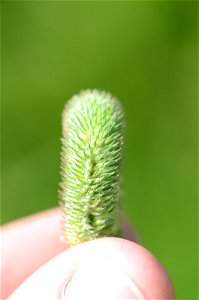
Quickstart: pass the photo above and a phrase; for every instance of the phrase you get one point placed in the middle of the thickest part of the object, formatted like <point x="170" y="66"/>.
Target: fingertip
<point x="118" y="268"/>
<point x="44" y="229"/>
<point x="104" y="268"/>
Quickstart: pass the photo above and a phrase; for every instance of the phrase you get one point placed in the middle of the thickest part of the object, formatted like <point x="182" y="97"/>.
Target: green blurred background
<point x="146" y="54"/>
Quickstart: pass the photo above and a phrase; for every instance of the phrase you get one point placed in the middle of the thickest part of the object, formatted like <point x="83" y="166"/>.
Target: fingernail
<point x="100" y="277"/>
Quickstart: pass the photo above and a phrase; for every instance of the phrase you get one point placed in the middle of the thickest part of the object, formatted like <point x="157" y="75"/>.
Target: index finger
<point x="27" y="244"/>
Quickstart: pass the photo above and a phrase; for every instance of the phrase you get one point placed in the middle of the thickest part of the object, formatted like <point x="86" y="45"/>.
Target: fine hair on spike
<point x="92" y="149"/>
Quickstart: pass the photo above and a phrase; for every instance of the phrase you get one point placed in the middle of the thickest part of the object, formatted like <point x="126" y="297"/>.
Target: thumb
<point x="104" y="268"/>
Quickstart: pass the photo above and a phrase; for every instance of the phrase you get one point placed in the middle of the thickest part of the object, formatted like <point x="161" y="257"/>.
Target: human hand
<point x="106" y="268"/>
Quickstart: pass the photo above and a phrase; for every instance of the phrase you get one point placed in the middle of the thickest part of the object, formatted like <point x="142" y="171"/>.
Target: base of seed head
<point x="91" y="157"/>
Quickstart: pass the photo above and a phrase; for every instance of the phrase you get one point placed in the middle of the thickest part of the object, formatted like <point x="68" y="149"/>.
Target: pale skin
<point x="38" y="264"/>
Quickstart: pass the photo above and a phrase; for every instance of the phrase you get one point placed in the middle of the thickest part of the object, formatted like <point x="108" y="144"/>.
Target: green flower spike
<point x="92" y="149"/>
